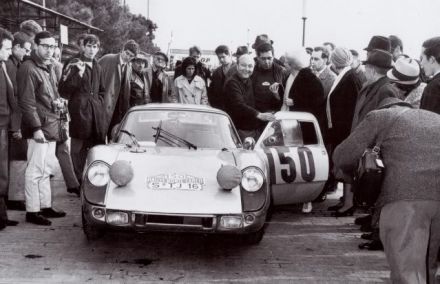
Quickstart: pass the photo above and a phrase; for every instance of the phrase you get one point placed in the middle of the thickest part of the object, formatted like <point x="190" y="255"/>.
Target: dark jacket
<point x="370" y="97"/>
<point x="117" y="88"/>
<point x="431" y="95"/>
<point x="12" y="65"/>
<point x="410" y="152"/>
<point x="265" y="101"/>
<point x="216" y="96"/>
<point x="201" y="71"/>
<point x="139" y="89"/>
<point x="240" y="103"/>
<point x="308" y="94"/>
<point x="37" y="89"/>
<point x="340" y="106"/>
<point x="86" y="99"/>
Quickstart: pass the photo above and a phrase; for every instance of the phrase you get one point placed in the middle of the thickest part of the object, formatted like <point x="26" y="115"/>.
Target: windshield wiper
<point x="132" y="137"/>
<point x="169" y="138"/>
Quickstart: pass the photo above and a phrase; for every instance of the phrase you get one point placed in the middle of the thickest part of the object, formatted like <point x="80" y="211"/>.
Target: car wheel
<point x="91" y="232"/>
<point x="253" y="238"/>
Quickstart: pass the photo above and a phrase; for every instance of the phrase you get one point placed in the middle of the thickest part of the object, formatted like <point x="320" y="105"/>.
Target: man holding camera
<point x="41" y="108"/>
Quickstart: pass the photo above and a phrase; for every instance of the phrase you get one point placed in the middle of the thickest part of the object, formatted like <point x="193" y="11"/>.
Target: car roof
<point x="177" y="106"/>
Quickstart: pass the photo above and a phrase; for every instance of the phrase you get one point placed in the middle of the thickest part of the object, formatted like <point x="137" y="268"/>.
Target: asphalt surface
<point x="297" y="248"/>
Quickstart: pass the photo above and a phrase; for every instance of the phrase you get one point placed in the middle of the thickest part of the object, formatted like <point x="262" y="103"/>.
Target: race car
<point x="174" y="167"/>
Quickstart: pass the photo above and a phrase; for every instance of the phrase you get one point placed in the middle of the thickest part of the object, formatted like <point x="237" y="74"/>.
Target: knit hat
<point x="406" y="71"/>
<point x="341" y="57"/>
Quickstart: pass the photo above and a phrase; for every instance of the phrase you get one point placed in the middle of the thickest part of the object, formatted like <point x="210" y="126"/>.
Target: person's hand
<point x="17" y="135"/>
<point x="289" y="102"/>
<point x="266" y="116"/>
<point x="79" y="64"/>
<point x="274" y="88"/>
<point x="39" y="136"/>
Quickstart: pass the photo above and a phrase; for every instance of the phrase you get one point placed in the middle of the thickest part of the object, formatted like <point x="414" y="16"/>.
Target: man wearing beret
<point x="160" y="85"/>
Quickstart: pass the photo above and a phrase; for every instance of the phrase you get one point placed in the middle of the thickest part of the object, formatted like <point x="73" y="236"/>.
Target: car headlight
<point x="98" y="174"/>
<point x="252" y="179"/>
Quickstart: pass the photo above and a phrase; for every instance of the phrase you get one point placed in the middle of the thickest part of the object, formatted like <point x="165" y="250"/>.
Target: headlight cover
<point x="252" y="179"/>
<point x="98" y="174"/>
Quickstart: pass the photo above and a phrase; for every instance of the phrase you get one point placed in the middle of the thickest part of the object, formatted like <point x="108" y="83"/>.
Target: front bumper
<point x="100" y="217"/>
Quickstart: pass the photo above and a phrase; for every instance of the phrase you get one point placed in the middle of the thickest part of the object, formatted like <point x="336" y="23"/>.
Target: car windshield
<point x="203" y="129"/>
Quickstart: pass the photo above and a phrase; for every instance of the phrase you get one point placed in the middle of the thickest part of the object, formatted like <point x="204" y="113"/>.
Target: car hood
<point x="161" y="166"/>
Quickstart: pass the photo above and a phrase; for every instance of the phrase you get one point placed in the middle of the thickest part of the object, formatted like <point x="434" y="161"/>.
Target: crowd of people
<point x="47" y="107"/>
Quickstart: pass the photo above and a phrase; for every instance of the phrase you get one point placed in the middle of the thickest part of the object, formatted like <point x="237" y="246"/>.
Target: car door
<point x="296" y="157"/>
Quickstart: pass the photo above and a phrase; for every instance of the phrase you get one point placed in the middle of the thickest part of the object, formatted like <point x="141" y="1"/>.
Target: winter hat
<point x="260" y="39"/>
<point x="379" y="42"/>
<point x="406" y="71"/>
<point x="379" y="58"/>
<point x="341" y="57"/>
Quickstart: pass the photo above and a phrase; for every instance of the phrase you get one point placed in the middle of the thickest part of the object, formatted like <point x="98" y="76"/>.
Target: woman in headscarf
<point x="340" y="105"/>
<point x="189" y="87"/>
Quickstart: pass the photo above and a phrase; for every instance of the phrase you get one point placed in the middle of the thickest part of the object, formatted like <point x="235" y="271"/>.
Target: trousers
<point x="37" y="189"/>
<point x="410" y="233"/>
<point x="62" y="153"/>
<point x="4" y="163"/>
<point x="78" y="152"/>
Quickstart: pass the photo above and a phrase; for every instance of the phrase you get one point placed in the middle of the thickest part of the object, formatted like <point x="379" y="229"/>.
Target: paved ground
<point x="297" y="248"/>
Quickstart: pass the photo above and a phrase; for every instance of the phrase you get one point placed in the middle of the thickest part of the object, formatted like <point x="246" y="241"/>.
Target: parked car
<point x="174" y="167"/>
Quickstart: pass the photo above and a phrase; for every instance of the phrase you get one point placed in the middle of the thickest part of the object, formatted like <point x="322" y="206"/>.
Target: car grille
<point x="174" y="221"/>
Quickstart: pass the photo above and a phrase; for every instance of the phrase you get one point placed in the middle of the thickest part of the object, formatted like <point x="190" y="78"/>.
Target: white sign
<point x="64" y="34"/>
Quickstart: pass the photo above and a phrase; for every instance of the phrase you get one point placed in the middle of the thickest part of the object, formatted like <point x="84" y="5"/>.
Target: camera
<point x="59" y="106"/>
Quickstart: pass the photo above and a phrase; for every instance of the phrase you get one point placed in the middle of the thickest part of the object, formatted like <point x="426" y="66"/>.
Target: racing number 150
<point x="289" y="176"/>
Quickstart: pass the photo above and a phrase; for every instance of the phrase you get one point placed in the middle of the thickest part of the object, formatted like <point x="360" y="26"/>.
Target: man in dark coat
<point x="41" y="107"/>
<point x="240" y="101"/>
<point x="216" y="96"/>
<point x="8" y="106"/>
<point x="266" y="79"/>
<point x="377" y="86"/>
<point x="410" y="193"/>
<point x="430" y="62"/>
<point x="17" y="146"/>
<point x="116" y="74"/>
<point x="82" y="86"/>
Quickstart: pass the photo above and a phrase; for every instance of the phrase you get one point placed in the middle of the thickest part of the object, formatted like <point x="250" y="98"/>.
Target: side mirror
<point x="249" y="143"/>
<point x="114" y="131"/>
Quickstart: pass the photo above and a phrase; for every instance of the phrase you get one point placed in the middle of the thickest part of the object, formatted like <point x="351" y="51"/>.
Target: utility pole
<point x="304" y="18"/>
<point x="148" y="9"/>
<point x="44" y="18"/>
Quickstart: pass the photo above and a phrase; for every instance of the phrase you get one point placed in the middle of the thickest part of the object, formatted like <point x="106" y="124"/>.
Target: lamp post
<point x="304" y="18"/>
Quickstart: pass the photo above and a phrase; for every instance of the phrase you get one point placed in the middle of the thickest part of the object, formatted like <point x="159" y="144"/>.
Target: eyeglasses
<point x="47" y="46"/>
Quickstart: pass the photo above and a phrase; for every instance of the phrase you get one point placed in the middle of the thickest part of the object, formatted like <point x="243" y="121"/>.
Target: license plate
<point x="176" y="186"/>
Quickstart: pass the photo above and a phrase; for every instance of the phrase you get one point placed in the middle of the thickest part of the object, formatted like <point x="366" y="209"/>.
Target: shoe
<point x="36" y="218"/>
<point x="363" y="220"/>
<point x="367" y="236"/>
<point x="74" y="190"/>
<point x="16" y="205"/>
<point x="373" y="245"/>
<point x="51" y="213"/>
<point x="335" y="207"/>
<point x="307" y="207"/>
<point x="11" y="223"/>
<point x="348" y="212"/>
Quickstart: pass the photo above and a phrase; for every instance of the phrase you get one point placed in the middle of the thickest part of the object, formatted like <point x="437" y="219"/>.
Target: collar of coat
<point x="39" y="62"/>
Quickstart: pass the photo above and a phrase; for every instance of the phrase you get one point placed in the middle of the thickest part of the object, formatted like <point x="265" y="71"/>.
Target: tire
<point x="253" y="238"/>
<point x="92" y="233"/>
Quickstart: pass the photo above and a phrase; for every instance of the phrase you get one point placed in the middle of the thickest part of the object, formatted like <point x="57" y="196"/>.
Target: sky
<point x="347" y="23"/>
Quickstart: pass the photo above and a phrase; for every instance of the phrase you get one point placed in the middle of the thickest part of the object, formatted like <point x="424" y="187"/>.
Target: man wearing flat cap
<point x="160" y="84"/>
<point x="139" y="83"/>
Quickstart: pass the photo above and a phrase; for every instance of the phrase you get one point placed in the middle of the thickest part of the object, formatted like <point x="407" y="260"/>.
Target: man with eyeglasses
<point x="116" y="74"/>
<point x="41" y="108"/>
<point x="17" y="145"/>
